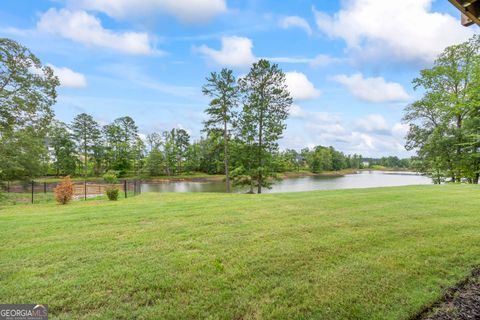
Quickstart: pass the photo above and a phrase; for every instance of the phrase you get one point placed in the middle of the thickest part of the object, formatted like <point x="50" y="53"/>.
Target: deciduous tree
<point x="27" y="93"/>
<point x="442" y="122"/>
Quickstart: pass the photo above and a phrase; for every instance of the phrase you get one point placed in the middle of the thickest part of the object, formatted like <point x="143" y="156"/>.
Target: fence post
<point x="8" y="186"/>
<point x="85" y="189"/>
<point x="44" y="187"/>
<point x="32" y="190"/>
<point x="125" y="187"/>
<point x="134" y="187"/>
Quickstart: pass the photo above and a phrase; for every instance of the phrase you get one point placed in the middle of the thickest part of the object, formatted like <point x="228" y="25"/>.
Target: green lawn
<point x="15" y="198"/>
<point x="349" y="254"/>
<point x="22" y="198"/>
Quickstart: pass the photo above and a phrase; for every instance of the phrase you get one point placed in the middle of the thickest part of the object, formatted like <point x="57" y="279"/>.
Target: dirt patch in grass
<point x="460" y="302"/>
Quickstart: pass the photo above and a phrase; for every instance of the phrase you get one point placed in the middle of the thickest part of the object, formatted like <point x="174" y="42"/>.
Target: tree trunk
<point x="477" y="174"/>
<point x="459" y="148"/>
<point x="260" y="142"/>
<point x="225" y="157"/>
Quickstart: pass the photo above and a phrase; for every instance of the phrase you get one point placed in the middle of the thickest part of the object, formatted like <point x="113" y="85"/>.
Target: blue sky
<point x="349" y="64"/>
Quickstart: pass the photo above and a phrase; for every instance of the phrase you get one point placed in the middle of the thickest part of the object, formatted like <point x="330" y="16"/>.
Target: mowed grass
<point x="382" y="253"/>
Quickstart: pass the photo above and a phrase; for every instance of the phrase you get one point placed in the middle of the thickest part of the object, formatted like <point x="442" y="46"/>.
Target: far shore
<point x="201" y="177"/>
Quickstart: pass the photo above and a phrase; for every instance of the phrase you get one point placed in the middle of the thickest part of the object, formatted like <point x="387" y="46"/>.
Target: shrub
<point x="64" y="191"/>
<point x="111" y="177"/>
<point x="112" y="193"/>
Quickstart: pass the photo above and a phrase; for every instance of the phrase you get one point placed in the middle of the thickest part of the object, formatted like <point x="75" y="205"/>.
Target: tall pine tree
<point x="262" y="122"/>
<point x="86" y="132"/>
<point x="223" y="90"/>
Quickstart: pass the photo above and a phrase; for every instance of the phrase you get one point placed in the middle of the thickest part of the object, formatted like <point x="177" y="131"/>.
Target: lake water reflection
<point x="364" y="179"/>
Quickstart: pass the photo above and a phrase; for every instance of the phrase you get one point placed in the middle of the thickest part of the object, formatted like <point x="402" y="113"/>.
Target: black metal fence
<point x="43" y="191"/>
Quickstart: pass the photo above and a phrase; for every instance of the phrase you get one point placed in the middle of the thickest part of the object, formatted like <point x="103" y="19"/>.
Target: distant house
<point x="470" y="10"/>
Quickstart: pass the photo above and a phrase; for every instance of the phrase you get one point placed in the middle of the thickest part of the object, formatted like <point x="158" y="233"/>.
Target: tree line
<point x="85" y="148"/>
<point x="245" y="120"/>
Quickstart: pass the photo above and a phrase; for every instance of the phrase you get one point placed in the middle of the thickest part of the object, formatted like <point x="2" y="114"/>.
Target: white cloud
<point x="68" y="77"/>
<point x="400" y="130"/>
<point x="296" y="111"/>
<point x="320" y="60"/>
<point x="185" y="10"/>
<point x="326" y="130"/>
<point x="405" y="30"/>
<point x="82" y="27"/>
<point x="362" y="142"/>
<point x="325" y="127"/>
<point x="374" y="89"/>
<point x="296" y="22"/>
<point x="300" y="87"/>
<point x="370" y="136"/>
<point x="373" y="123"/>
<point x="235" y="52"/>
<point x="375" y="145"/>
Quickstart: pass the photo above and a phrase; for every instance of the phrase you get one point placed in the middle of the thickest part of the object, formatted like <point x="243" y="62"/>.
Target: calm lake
<point x="364" y="179"/>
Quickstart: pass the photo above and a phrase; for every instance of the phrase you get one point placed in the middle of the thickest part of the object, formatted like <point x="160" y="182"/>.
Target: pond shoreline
<point x="217" y="177"/>
<point x="285" y="175"/>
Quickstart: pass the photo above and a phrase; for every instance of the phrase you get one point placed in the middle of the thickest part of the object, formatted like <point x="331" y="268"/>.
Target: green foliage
<point x="111" y="177"/>
<point x="123" y="147"/>
<point x="322" y="158"/>
<point x="27" y="88"/>
<point x="266" y="102"/>
<point x="175" y="147"/>
<point x="154" y="163"/>
<point x="445" y="121"/>
<point x="288" y="161"/>
<point x="23" y="154"/>
<point x="223" y="90"/>
<point x="112" y="193"/>
<point x="208" y="154"/>
<point x="63" y="149"/>
<point x="86" y="133"/>
<point x="27" y="93"/>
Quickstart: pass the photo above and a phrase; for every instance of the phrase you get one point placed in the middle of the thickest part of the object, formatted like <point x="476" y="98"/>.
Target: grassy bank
<point x="382" y="253"/>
